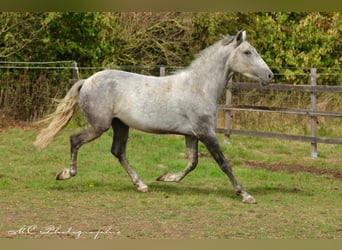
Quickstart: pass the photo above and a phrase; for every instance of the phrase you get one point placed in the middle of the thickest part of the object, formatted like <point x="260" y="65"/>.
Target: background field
<point x="298" y="197"/>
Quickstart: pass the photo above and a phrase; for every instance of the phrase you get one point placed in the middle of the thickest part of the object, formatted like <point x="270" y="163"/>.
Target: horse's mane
<point x="207" y="52"/>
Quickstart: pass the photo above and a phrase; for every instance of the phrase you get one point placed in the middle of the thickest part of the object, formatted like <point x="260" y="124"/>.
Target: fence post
<point x="313" y="82"/>
<point x="227" y="123"/>
<point x="162" y="71"/>
<point x="75" y="73"/>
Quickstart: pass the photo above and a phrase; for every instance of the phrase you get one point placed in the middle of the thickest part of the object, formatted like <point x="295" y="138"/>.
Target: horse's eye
<point x="247" y="52"/>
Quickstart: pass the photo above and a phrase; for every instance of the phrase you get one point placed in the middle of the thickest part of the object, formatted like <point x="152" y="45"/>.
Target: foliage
<point x="286" y="40"/>
<point x="83" y="37"/>
<point x="298" y="41"/>
<point x="290" y="43"/>
<point x="153" y="39"/>
<point x="208" y="27"/>
<point x="17" y="32"/>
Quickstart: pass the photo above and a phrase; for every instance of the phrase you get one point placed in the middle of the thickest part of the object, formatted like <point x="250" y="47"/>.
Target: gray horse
<point x="183" y="103"/>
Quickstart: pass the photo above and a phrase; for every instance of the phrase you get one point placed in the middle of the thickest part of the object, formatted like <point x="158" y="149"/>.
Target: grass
<point x="202" y="206"/>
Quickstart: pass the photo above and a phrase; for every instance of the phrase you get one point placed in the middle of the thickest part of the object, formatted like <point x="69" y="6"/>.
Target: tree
<point x="85" y="37"/>
<point x="17" y="32"/>
<point x="294" y="42"/>
<point x="208" y="27"/>
<point x="147" y="38"/>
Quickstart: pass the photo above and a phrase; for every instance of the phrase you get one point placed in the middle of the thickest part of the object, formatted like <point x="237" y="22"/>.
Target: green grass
<point x="202" y="206"/>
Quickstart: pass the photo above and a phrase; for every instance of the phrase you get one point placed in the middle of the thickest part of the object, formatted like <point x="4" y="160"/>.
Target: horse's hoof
<point x="163" y="177"/>
<point x="64" y="175"/>
<point x="169" y="177"/>
<point x="143" y="189"/>
<point x="248" y="199"/>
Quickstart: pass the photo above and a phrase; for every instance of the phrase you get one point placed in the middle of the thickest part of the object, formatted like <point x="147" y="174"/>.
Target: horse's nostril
<point x="270" y="76"/>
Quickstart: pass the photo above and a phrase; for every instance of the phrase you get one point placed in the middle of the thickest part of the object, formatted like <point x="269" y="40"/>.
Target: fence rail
<point x="304" y="112"/>
<point x="313" y="113"/>
<point x="286" y="87"/>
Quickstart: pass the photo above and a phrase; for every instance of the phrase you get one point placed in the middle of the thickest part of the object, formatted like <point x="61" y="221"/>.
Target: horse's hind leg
<point x="76" y="141"/>
<point x="192" y="150"/>
<point x="119" y="151"/>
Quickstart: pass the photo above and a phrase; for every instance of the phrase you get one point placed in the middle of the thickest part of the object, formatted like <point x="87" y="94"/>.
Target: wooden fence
<point x="313" y="113"/>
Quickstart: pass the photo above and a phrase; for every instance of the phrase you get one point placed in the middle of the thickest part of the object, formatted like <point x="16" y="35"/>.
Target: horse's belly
<point x="161" y="124"/>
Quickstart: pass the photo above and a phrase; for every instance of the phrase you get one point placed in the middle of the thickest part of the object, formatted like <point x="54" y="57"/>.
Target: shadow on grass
<point x="175" y="188"/>
<point x="170" y="189"/>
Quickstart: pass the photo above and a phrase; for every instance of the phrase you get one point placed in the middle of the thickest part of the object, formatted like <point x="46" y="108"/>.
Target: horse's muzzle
<point x="266" y="80"/>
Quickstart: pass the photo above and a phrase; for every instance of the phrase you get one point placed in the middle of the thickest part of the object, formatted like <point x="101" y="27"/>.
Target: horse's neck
<point x="211" y="74"/>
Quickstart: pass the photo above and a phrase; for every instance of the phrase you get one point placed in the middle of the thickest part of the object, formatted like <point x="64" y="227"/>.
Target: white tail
<point x="60" y="117"/>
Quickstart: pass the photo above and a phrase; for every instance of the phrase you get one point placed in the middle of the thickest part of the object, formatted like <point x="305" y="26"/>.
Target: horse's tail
<point x="59" y="118"/>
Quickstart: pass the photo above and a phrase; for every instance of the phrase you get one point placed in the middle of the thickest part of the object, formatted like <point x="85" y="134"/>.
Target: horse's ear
<point x="227" y="39"/>
<point x="240" y="37"/>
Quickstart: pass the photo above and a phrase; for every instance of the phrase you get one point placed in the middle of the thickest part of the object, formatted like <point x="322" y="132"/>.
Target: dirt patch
<point x="18" y="125"/>
<point x="294" y="168"/>
<point x="283" y="167"/>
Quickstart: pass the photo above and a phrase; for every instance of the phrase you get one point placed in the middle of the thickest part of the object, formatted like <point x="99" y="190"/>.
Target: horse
<point x="183" y="103"/>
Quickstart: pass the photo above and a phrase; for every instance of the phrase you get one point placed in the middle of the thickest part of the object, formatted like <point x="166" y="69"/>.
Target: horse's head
<point x="245" y="59"/>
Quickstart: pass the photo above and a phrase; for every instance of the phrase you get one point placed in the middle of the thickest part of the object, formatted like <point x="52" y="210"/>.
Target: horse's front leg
<point x="192" y="151"/>
<point x="211" y="142"/>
